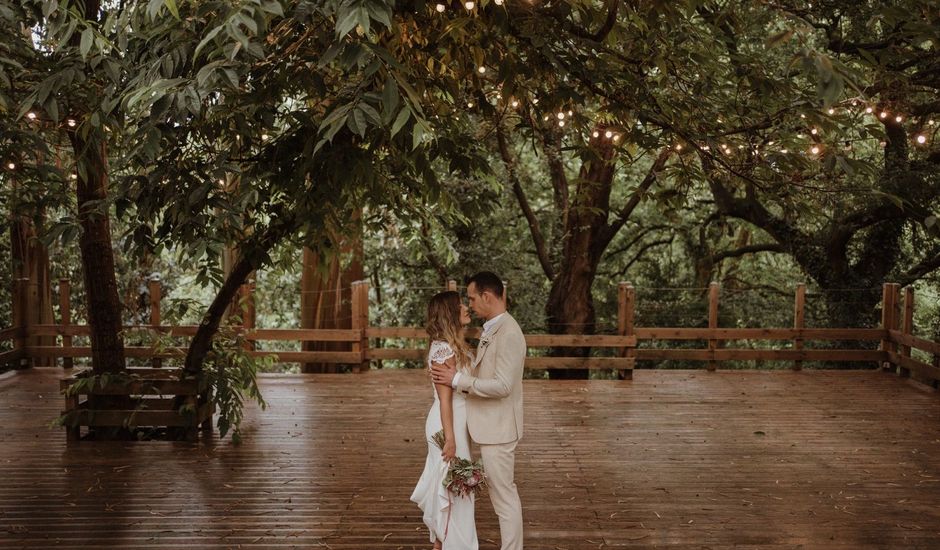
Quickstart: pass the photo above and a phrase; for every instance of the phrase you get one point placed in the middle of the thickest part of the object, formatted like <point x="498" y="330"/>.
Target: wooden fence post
<point x="713" y="322"/>
<point x="155" y="291"/>
<point x="248" y="312"/>
<point x="626" y="309"/>
<point x="452" y="285"/>
<point x="65" y="315"/>
<point x="360" y="322"/>
<point x="888" y="322"/>
<point x="21" y="320"/>
<point x="907" y="328"/>
<point x="799" y="320"/>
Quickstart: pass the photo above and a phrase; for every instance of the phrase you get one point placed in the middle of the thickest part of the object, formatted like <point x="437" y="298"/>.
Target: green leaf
<point x="208" y="38"/>
<point x="389" y="99"/>
<point x="171" y="5"/>
<point x="400" y="121"/>
<point x="88" y="38"/>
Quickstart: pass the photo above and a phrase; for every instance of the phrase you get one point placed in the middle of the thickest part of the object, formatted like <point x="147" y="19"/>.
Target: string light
<point x="784" y="151"/>
<point x="469" y="5"/>
<point x="535" y="101"/>
<point x="470" y="104"/>
<point x="898" y="118"/>
<point x="831" y="111"/>
<point x="515" y="103"/>
<point x="814" y="150"/>
<point x="31" y="116"/>
<point x="883" y="115"/>
<point x="616" y="138"/>
<point x="596" y="134"/>
<point x="921" y="139"/>
<point x="264" y="137"/>
<point x="814" y="131"/>
<point x="931" y="122"/>
<point x="608" y="134"/>
<point x="561" y="123"/>
<point x="868" y="110"/>
<point x="74" y="176"/>
<point x="71" y="122"/>
<point x="570" y="113"/>
<point x="498" y="2"/>
<point x="481" y="69"/>
<point x="678" y="147"/>
<point x="440" y="8"/>
<point x="561" y="116"/>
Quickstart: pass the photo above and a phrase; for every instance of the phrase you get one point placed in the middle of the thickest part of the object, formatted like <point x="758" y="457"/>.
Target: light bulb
<point x="561" y="116"/>
<point x="616" y="138"/>
<point x="921" y="139"/>
<point x="898" y="118"/>
<point x="74" y="176"/>
<point x="831" y="111"/>
<point x="545" y="117"/>
<point x="931" y="122"/>
<point x="470" y="104"/>
<point x="814" y="150"/>
<point x="264" y="137"/>
<point x="515" y="103"/>
<point x="706" y="148"/>
<point x="535" y="101"/>
<point x="570" y="113"/>
<point x="440" y="8"/>
<point x="71" y="122"/>
<point x="800" y="136"/>
<point x="802" y="115"/>
<point x="608" y="134"/>
<point x="11" y="166"/>
<point x="868" y="110"/>
<point x="883" y="115"/>
<point x="498" y="2"/>
<point x="596" y="134"/>
<point x="561" y="123"/>
<point x="678" y="147"/>
<point x="469" y="5"/>
<point x="31" y="116"/>
<point x="784" y="151"/>
<point x="814" y="131"/>
<point x="481" y="70"/>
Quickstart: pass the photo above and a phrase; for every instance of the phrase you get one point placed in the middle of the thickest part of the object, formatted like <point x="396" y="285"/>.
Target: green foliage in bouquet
<point x="464" y="477"/>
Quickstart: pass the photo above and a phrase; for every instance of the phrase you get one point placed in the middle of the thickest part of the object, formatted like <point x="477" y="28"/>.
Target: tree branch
<point x="744" y="250"/>
<point x="537" y="237"/>
<point x="624" y="214"/>
<point x="925" y="267"/>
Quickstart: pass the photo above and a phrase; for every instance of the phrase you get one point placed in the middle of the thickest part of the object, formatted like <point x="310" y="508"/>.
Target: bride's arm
<point x="445" y="393"/>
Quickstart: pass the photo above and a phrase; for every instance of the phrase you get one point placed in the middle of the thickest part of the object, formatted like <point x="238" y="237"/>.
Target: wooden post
<point x="907" y="328"/>
<point x="626" y="309"/>
<point x="65" y="314"/>
<point x="21" y="320"/>
<point x="713" y="321"/>
<point x="888" y="319"/>
<point x="452" y="285"/>
<point x="155" y="290"/>
<point x="360" y="322"/>
<point x="799" y="320"/>
<point x="248" y="312"/>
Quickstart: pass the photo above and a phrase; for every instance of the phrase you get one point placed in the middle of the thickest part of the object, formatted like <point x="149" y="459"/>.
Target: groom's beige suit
<point x="494" y="417"/>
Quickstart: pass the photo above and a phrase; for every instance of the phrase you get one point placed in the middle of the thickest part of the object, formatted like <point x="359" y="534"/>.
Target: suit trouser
<point x="499" y="462"/>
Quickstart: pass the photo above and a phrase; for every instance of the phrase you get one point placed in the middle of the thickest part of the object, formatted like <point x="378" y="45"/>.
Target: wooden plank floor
<point x="673" y="458"/>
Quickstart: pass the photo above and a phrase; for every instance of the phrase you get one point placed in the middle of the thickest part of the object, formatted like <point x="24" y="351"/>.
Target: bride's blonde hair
<point x="444" y="324"/>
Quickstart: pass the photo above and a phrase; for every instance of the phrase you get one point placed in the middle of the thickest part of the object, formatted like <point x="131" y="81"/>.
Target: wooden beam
<point x="920" y="368"/>
<point x="360" y="323"/>
<point x="647" y="354"/>
<point x="713" y="342"/>
<point x="907" y="328"/>
<point x="799" y="318"/>
<point x="65" y="314"/>
<point x="861" y="334"/>
<point x="626" y="310"/>
<point x="615" y="363"/>
<point x="155" y="292"/>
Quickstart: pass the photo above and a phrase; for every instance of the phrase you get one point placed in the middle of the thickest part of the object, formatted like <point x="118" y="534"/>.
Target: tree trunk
<point x="249" y="261"/>
<point x="324" y="304"/>
<point x="102" y="302"/>
<point x="31" y="261"/>
<point x="570" y="306"/>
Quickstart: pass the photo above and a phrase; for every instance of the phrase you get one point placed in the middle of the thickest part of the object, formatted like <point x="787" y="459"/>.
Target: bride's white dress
<point x="448" y="517"/>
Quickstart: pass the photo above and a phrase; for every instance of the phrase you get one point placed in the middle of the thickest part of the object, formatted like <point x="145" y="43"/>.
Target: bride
<point x="448" y="517"/>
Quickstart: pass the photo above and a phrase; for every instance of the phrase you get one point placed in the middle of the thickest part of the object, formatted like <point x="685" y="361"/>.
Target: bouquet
<point x="464" y="477"/>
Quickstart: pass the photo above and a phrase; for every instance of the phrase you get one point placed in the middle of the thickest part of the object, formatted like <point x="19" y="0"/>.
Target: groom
<point x="494" y="401"/>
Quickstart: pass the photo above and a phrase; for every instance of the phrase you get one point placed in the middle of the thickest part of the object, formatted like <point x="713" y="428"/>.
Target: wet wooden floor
<point x="670" y="459"/>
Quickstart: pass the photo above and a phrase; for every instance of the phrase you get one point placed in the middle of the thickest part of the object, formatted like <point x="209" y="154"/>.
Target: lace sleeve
<point x="440" y="351"/>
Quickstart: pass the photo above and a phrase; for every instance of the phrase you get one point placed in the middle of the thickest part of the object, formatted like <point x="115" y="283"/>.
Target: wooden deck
<point x="672" y="458"/>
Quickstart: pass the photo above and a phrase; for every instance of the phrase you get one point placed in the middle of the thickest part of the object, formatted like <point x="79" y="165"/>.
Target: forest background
<point x="567" y="146"/>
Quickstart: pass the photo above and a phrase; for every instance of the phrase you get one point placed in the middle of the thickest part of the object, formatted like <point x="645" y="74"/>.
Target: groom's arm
<point x="510" y="360"/>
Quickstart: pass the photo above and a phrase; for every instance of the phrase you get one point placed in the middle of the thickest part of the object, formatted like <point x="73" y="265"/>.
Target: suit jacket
<point x="494" y="385"/>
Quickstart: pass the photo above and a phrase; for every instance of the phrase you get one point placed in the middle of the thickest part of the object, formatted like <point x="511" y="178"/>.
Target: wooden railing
<point x="895" y="337"/>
